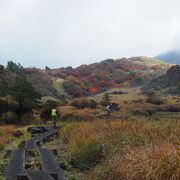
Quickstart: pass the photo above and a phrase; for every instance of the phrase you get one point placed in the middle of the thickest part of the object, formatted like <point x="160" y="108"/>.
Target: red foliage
<point x="92" y="89"/>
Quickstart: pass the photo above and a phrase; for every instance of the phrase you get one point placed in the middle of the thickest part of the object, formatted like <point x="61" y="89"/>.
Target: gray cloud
<point x="73" y="32"/>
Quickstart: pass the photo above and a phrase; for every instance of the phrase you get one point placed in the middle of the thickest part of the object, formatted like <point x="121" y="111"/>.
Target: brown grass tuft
<point x="71" y="113"/>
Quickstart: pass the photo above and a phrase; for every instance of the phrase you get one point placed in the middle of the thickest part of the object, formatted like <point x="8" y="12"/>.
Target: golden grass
<point x="136" y="149"/>
<point x="159" y="162"/>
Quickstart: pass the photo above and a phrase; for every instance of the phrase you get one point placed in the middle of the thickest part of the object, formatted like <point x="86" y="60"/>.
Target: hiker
<point x="54" y="116"/>
<point x="109" y="109"/>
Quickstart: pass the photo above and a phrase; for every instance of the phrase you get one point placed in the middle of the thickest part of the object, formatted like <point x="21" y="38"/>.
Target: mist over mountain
<point x="172" y="57"/>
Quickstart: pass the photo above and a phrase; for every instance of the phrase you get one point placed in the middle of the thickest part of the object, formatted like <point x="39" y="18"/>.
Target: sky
<point x="58" y="33"/>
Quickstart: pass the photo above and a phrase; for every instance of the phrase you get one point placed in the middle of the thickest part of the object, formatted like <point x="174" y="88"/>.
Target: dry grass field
<point x="137" y="147"/>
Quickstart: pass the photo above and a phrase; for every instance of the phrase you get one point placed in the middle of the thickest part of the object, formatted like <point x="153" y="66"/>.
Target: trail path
<point x="50" y="168"/>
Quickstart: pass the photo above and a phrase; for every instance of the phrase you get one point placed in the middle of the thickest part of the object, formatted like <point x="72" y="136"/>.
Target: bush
<point x="173" y="108"/>
<point x="144" y="112"/>
<point x="82" y="103"/>
<point x="151" y="94"/>
<point x="140" y="112"/>
<point x="155" y="100"/>
<point x="9" y="117"/>
<point x="17" y="133"/>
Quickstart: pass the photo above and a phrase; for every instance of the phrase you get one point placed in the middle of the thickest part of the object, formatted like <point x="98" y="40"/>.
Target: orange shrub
<point x="5" y="135"/>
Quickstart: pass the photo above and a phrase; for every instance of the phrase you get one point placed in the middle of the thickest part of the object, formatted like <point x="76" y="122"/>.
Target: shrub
<point x="82" y="103"/>
<point x="155" y="100"/>
<point x="17" y="133"/>
<point x="173" y="108"/>
<point x="140" y="112"/>
<point x="144" y="112"/>
<point x="9" y="117"/>
<point x="151" y="94"/>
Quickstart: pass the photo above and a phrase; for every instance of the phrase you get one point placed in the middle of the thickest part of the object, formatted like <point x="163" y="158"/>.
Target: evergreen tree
<point x="106" y="99"/>
<point x="13" y="67"/>
<point x="23" y="92"/>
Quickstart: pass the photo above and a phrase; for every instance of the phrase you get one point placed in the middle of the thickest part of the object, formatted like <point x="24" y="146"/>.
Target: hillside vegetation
<point x="88" y="79"/>
<point x="169" y="81"/>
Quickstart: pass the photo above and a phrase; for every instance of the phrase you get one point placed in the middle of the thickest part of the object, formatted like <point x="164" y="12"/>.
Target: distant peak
<point x="172" y="57"/>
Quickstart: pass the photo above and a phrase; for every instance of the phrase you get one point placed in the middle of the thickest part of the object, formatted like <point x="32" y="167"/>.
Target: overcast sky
<point x="60" y="33"/>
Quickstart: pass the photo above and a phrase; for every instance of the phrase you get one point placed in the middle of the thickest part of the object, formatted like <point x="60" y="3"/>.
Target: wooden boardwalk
<point x="16" y="164"/>
<point x="50" y="165"/>
<point x="51" y="170"/>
